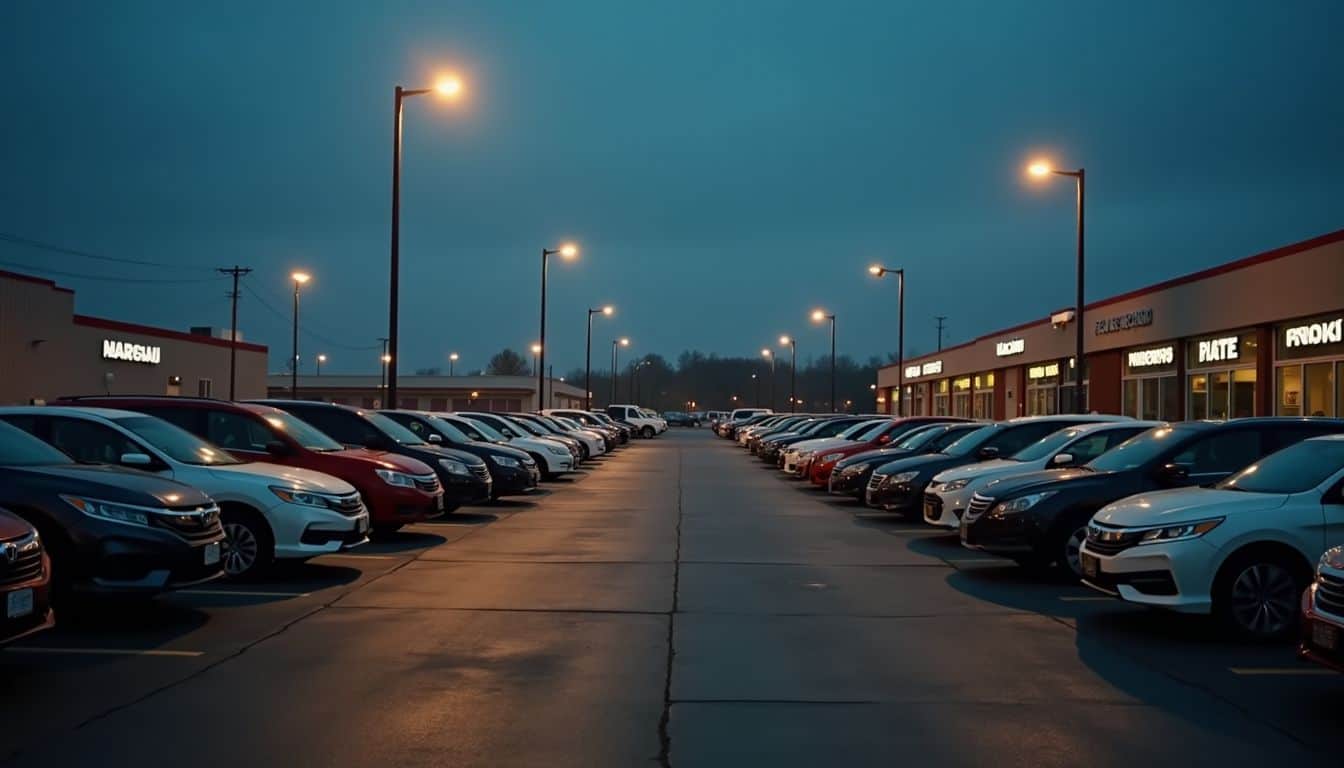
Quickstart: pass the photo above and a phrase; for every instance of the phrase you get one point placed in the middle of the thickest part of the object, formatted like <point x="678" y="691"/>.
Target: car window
<point x="300" y="431"/>
<point x="918" y="438"/>
<point x="341" y="426"/>
<point x="1088" y="448"/>
<point x="1046" y="446"/>
<point x="477" y="430"/>
<point x="177" y="443"/>
<point x="391" y="428"/>
<point x="971" y="441"/>
<point x="1294" y="469"/>
<point x="1224" y="451"/>
<point x="413" y="424"/>
<point x="186" y="418"/>
<point x="1015" y="437"/>
<point x="952" y="435"/>
<point x="236" y="432"/>
<point x="89" y="442"/>
<point x="18" y="448"/>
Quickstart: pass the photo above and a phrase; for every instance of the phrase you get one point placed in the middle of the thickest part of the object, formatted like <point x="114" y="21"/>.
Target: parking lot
<point x="675" y="603"/>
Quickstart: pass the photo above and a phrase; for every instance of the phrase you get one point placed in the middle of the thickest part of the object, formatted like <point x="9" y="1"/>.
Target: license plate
<point x="1324" y="635"/>
<point x="19" y="603"/>
<point x="868" y="496"/>
<point x="438" y="502"/>
<point x="963" y="529"/>
<point x="212" y="553"/>
<point x="929" y="513"/>
<point x="1091" y="565"/>
<point x="363" y="525"/>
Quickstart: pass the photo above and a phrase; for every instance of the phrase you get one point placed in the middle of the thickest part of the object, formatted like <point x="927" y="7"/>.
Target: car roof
<point x="105" y="413"/>
<point x="1089" y="417"/>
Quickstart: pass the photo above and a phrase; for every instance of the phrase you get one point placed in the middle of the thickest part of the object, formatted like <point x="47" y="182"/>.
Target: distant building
<point x="431" y="393"/>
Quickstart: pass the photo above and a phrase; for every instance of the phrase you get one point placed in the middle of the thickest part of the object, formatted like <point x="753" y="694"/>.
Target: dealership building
<point x="56" y="352"/>
<point x="431" y="393"/>
<point x="1256" y="337"/>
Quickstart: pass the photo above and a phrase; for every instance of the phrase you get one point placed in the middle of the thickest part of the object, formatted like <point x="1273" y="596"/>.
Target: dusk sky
<point x="726" y="167"/>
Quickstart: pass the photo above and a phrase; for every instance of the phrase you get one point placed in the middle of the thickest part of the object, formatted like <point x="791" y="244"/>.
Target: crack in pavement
<point x="664" y="735"/>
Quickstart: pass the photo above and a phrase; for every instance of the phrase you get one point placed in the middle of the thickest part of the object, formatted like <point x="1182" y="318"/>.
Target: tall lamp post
<point x="792" y="344"/>
<point x="320" y="360"/>
<point x="621" y="342"/>
<point x="767" y="355"/>
<point x="568" y="251"/>
<point x="877" y="270"/>
<point x="821" y="316"/>
<point x="757" y="381"/>
<point x="588" y="356"/>
<point x="452" y="363"/>
<point x="536" y="350"/>
<point x="1041" y="169"/>
<point x="448" y="87"/>
<point x="634" y="381"/>
<point x="299" y="279"/>
<point x="385" y="359"/>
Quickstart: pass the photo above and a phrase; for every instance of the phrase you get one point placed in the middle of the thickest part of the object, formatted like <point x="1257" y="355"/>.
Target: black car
<point x="771" y="427"/>
<point x="552" y="430"/>
<point x="679" y="419"/>
<point x="851" y="474"/>
<point x="768" y="448"/>
<point x="610" y="429"/>
<point x="826" y="426"/>
<point x="1041" y="518"/>
<point x="518" y="428"/>
<point x="512" y="472"/>
<point x="464" y="477"/>
<point x="108" y="529"/>
<point x="600" y="417"/>
<point x="899" y="486"/>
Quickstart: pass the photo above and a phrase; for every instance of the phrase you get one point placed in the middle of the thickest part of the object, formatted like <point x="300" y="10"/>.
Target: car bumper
<point x="1322" y="639"/>
<point x="29" y="602"/>
<point x="465" y="490"/>
<point x="1177" y="575"/>
<point x="396" y="505"/>
<point x="903" y="499"/>
<point x="148" y="564"/>
<point x="848" y="485"/>
<point x="514" y="482"/>
<point x="944" y="509"/>
<point x="302" y="532"/>
<point x="820" y="474"/>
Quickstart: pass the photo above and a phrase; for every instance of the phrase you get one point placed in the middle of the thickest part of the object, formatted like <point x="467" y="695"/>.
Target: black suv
<point x="464" y="477"/>
<point x="513" y="471"/>
<point x="109" y="529"/>
<point x="1041" y="517"/>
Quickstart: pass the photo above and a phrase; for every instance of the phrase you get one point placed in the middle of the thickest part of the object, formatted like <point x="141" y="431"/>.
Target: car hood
<point x="877" y="456"/>
<point x="384" y="460"/>
<point x="929" y="461"/>
<point x="124" y="486"/>
<point x="1183" y="505"/>
<point x="1044" y="479"/>
<point x="437" y="452"/>
<point x="981" y="470"/>
<point x="12" y="527"/>
<point x="820" y="444"/>
<point x="276" y="474"/>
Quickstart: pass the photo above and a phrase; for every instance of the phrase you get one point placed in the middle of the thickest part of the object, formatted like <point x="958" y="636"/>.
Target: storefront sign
<point x="1314" y="334"/>
<point x="1135" y="319"/>
<point x="1219" y="350"/>
<point x="931" y="368"/>
<point x="131" y="353"/>
<point x="1046" y="371"/>
<point x="1010" y="347"/>
<point x="1147" y="358"/>
<point x="912" y="371"/>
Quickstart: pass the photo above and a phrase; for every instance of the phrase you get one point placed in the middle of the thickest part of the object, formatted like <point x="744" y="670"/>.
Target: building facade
<point x="431" y="393"/>
<point x="57" y="352"/>
<point x="1256" y="337"/>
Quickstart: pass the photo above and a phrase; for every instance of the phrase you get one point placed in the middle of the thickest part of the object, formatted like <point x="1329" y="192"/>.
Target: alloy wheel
<point x="1073" y="550"/>
<point x="243" y="549"/>
<point x="1264" y="599"/>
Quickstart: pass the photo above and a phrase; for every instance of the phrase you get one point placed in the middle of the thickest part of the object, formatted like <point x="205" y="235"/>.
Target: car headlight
<point x="103" y="510"/>
<point x="454" y="467"/>
<point x="558" y="450"/>
<point x="832" y="457"/>
<point x="506" y="461"/>
<point x="1179" y="532"/>
<point x="1021" y="503"/>
<point x="391" y="477"/>
<point x="954" y="485"/>
<point x="800" y="455"/>
<point x="854" y="470"/>
<point x="1333" y="558"/>
<point x="303" y="498"/>
<point x="904" y="477"/>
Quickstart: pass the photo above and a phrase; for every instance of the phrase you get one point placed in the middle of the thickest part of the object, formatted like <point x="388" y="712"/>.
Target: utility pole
<point x="382" y="368"/>
<point x="940" y="319"/>
<point x="237" y="272"/>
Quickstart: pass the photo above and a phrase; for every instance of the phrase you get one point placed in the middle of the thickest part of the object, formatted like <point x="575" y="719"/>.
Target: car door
<point x="242" y="436"/>
<point x="92" y="443"/>
<point x="1216" y="455"/>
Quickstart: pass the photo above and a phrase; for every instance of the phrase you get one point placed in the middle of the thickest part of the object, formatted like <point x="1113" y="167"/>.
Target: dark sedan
<point x="512" y="471"/>
<point x="850" y="476"/>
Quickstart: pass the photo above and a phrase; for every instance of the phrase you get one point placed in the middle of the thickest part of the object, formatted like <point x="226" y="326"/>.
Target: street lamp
<point x="536" y="350"/>
<point x="320" y="360"/>
<point x="821" y="316"/>
<point x="1041" y="169"/>
<point x="879" y="271"/>
<point x="452" y="362"/>
<point x="792" y="344"/>
<point x="608" y="310"/>
<point x="299" y="279"/>
<point x="569" y="252"/>
<point x="634" y="380"/>
<point x="756" y="380"/>
<point x="765" y="352"/>
<point x="449" y="87"/>
<point x="623" y="342"/>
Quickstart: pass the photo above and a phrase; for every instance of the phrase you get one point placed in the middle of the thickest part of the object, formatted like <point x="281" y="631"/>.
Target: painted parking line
<point x="103" y="651"/>
<point x="241" y="593"/>
<point x="1268" y="671"/>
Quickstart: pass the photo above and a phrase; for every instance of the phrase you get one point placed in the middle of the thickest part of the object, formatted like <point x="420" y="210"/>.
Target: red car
<point x="1323" y="613"/>
<point x="255" y="432"/>
<point x="876" y="437"/>
<point x="25" y="580"/>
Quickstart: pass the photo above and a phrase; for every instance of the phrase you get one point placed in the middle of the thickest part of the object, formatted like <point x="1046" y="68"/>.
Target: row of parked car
<point x="1242" y="519"/>
<point x="141" y="495"/>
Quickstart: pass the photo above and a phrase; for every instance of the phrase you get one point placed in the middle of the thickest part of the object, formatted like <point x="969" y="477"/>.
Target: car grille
<point x="933" y="506"/>
<point x="1110" y="540"/>
<point x="24" y="566"/>
<point x="876" y="481"/>
<point x="1330" y="593"/>
<point x="979" y="505"/>
<point x="427" y="483"/>
<point x="480" y="472"/>
<point x="194" y="526"/>
<point x="350" y="506"/>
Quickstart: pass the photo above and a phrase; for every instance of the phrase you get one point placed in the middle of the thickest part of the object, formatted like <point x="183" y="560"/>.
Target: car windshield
<point x="20" y="449"/>
<point x="450" y="431"/>
<point x="852" y="432"/>
<point x="177" y="443"/>
<point x="523" y="425"/>
<point x="1047" y="445"/>
<point x="920" y="438"/>
<point x="480" y="427"/>
<point x="871" y="430"/>
<point x="970" y="442"/>
<point x="815" y="427"/>
<point x="1297" y="468"/>
<point x="392" y="429"/>
<point x="301" y="432"/>
<point x="570" y="423"/>
<point x="1137" y="450"/>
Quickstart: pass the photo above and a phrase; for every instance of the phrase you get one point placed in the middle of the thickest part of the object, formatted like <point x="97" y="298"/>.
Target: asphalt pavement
<point x="676" y="604"/>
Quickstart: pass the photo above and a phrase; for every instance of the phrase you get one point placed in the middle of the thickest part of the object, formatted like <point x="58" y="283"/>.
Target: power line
<point x="105" y="278"/>
<point x="303" y="329"/>
<point x="41" y="246"/>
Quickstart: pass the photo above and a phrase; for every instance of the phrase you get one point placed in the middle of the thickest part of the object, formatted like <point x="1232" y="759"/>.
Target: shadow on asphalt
<point x="404" y="541"/>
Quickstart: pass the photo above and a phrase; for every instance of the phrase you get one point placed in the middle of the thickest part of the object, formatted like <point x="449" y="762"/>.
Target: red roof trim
<point x="149" y="330"/>
<point x="38" y="280"/>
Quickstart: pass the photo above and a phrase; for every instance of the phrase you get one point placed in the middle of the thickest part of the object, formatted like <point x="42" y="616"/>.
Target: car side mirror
<point x="1174" y="474"/>
<point x="434" y="437"/>
<point x="1062" y="459"/>
<point x="277" y="448"/>
<point x="136" y="459"/>
<point x="988" y="452"/>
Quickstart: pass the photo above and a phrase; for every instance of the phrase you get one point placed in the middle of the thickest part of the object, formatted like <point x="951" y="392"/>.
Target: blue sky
<point x="726" y="166"/>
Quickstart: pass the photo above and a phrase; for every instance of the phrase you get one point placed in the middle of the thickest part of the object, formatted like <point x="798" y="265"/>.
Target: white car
<point x="646" y="423"/>
<point x="592" y="436"/>
<point x="1243" y="549"/>
<point x="553" y="458"/>
<point x="744" y="434"/>
<point x="269" y="511"/>
<point x="946" y="498"/>
<point x="593" y="444"/>
<point x="798" y="457"/>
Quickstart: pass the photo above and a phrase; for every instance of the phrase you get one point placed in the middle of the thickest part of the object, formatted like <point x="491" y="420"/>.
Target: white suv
<point x="646" y="423"/>
<point x="269" y="511"/>
<point x="946" y="498"/>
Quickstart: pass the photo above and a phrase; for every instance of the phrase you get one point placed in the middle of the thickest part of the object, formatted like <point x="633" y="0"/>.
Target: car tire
<point x="1257" y="593"/>
<point x="646" y="432"/>
<point x="250" y="544"/>
<point x="1067" y="545"/>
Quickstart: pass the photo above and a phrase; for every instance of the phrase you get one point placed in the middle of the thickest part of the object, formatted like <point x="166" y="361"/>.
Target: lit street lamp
<point x="299" y="279"/>
<point x="624" y="342"/>
<point x="588" y="356"/>
<point x="766" y="354"/>
<point x="878" y="270"/>
<point x="1041" y="169"/>
<point x="320" y="360"/>
<point x="536" y="350"/>
<point x="568" y="251"/>
<point x="756" y="380"/>
<point x="448" y="87"/>
<point x="821" y="316"/>
<point x="792" y="344"/>
<point x="452" y="362"/>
